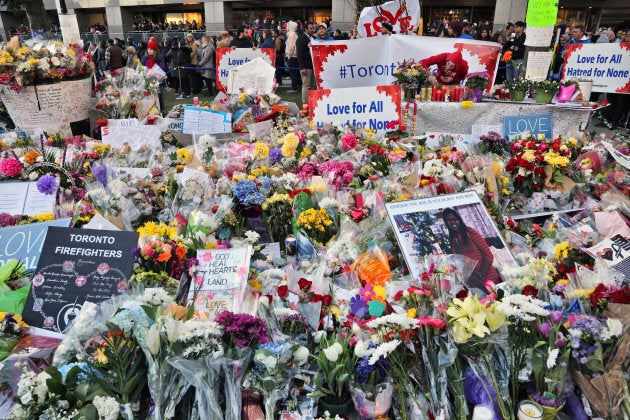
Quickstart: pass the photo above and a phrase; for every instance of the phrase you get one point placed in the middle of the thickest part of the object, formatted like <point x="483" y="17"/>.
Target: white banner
<point x="228" y="58"/>
<point x="404" y="16"/>
<point x="608" y="65"/>
<point x="370" y="107"/>
<point x="342" y="64"/>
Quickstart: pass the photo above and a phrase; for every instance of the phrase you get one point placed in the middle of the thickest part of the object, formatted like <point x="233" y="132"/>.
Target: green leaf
<point x="56" y="387"/>
<point x="54" y="373"/>
<point x="88" y="412"/>
<point x="72" y="377"/>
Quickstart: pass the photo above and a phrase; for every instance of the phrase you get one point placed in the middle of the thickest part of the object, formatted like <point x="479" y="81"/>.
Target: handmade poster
<point x="450" y="224"/>
<point x="206" y="121"/>
<point x="256" y="75"/>
<point x="23" y="198"/>
<point x="541" y="13"/>
<point x="343" y="64"/>
<point x="607" y="65"/>
<point x="77" y="266"/>
<point x="47" y="107"/>
<point x="538" y="65"/>
<point x="25" y="242"/>
<point x="220" y="280"/>
<point x="373" y="107"/>
<point x="535" y="124"/>
<point x="136" y="136"/>
<point x="228" y="58"/>
<point x="69" y="28"/>
<point x="404" y="16"/>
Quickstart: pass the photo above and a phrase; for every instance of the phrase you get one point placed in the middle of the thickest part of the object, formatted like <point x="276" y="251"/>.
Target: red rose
<point x="283" y="291"/>
<point x="433" y="323"/>
<point x="462" y="294"/>
<point x="399" y="295"/>
<point x="530" y="291"/>
<point x="317" y="298"/>
<point x="304" y="284"/>
<point x="326" y="300"/>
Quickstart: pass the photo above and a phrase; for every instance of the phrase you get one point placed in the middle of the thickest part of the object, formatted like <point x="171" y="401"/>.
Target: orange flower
<point x="507" y="56"/>
<point x="176" y="311"/>
<point x="31" y="156"/>
<point x="164" y="257"/>
<point x="180" y="252"/>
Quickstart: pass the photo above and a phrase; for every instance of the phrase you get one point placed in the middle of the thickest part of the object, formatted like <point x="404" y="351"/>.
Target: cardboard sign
<point x="228" y="58"/>
<point x="206" y="121"/>
<point x="220" y="280"/>
<point x="135" y="136"/>
<point x="25" y="242"/>
<point x="77" y="265"/>
<point x="608" y="65"/>
<point x="404" y="16"/>
<point x="461" y="140"/>
<point x="23" y="198"/>
<point x="535" y="124"/>
<point x="370" y="107"/>
<point x="343" y="64"/>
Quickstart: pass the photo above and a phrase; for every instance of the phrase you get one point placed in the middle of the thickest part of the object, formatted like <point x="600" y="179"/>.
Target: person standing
<point x="280" y="45"/>
<point x="267" y="40"/>
<point x="225" y="40"/>
<point x="113" y="56"/>
<point x="321" y="33"/>
<point x="99" y="60"/>
<point x="207" y="60"/>
<point x="579" y="35"/>
<point x="517" y="46"/>
<point x="387" y="28"/>
<point x="305" y="61"/>
<point x="180" y="60"/>
<point x="291" y="55"/>
<point x="242" y="40"/>
<point x="153" y="57"/>
<point x="132" y="58"/>
<point x="194" y="76"/>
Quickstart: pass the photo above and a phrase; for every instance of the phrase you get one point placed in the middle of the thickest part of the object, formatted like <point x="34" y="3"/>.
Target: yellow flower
<point x="562" y="250"/>
<point x="255" y="284"/>
<point x="467" y="104"/>
<point x="261" y="150"/>
<point x="251" y="177"/>
<point x="411" y="313"/>
<point x="100" y="356"/>
<point x="184" y="155"/>
<point x="541" y="136"/>
<point x="495" y="318"/>
<point x="306" y="153"/>
<point x="315" y="188"/>
<point x="44" y="217"/>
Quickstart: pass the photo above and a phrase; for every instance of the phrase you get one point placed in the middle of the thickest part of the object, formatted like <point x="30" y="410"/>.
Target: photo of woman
<point x="467" y="241"/>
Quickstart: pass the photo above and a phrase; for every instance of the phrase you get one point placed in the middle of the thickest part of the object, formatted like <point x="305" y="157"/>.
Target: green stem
<point x="495" y="385"/>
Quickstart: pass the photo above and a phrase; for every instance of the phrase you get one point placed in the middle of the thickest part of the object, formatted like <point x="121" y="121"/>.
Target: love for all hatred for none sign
<point x="372" y="107"/>
<point x="607" y="65"/>
<point x="220" y="280"/>
<point x="77" y="265"/>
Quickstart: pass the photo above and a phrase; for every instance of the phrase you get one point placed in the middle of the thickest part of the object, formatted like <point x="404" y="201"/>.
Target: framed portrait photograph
<point x="450" y="224"/>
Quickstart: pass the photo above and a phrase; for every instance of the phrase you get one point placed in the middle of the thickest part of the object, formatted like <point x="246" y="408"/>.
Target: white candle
<point x="482" y="412"/>
<point x="528" y="410"/>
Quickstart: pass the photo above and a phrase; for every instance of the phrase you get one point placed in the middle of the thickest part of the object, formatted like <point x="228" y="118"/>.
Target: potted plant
<point x="336" y="361"/>
<point x="477" y="82"/>
<point x="518" y="89"/>
<point x="545" y="91"/>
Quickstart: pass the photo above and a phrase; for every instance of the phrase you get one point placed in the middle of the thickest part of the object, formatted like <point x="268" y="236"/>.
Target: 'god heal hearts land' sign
<point x="372" y="107"/>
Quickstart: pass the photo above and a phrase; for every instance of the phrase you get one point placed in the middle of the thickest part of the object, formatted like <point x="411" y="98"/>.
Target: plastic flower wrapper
<point x="271" y="373"/>
<point x="476" y="328"/>
<point x="14" y="286"/>
<point x="444" y="275"/>
<point x="200" y="364"/>
<point x="373" y="267"/>
<point x="11" y="329"/>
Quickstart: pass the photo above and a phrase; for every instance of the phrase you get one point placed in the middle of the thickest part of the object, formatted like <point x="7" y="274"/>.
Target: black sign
<point x="77" y="265"/>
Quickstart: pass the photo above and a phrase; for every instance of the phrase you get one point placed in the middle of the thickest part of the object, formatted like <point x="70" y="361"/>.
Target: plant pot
<point x="372" y="401"/>
<point x="341" y="406"/>
<point x="544" y="97"/>
<point x="550" y="413"/>
<point x="517" y="95"/>
<point x="476" y="94"/>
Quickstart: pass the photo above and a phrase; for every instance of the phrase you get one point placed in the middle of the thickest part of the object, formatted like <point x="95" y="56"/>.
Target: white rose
<point x="55" y="61"/>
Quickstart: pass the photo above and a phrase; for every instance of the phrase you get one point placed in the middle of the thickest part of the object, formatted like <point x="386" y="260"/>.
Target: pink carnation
<point x="349" y="142"/>
<point x="10" y="167"/>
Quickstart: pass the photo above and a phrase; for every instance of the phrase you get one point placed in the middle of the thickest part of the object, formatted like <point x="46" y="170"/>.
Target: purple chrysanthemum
<point x="47" y="184"/>
<point x="275" y="155"/>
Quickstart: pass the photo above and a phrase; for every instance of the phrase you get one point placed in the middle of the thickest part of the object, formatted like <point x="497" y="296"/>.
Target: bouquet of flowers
<point x="42" y="62"/>
<point x="317" y="225"/>
<point x="411" y="74"/>
<point x="11" y="329"/>
<point x="277" y="211"/>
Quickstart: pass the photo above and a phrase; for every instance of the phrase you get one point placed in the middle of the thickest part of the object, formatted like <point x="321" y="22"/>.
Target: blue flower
<point x="47" y="184"/>
<point x="275" y="155"/>
<point x="358" y="306"/>
<point x="100" y="173"/>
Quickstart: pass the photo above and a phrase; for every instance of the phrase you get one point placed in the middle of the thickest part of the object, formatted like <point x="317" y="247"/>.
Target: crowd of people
<point x="147" y="25"/>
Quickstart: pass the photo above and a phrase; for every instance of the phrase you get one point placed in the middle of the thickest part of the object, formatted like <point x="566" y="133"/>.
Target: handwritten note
<point x="23" y="198"/>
